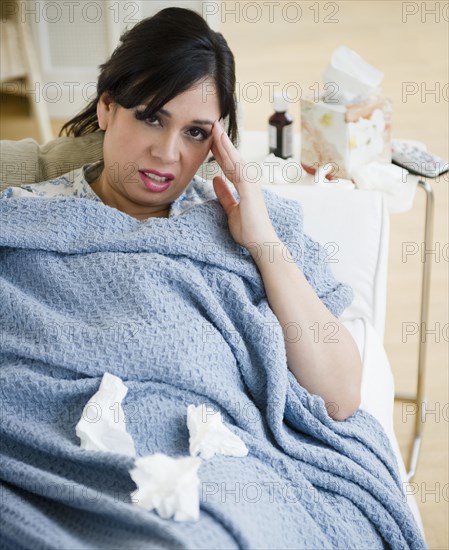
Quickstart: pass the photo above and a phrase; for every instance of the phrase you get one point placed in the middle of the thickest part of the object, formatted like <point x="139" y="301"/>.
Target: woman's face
<point x="173" y="142"/>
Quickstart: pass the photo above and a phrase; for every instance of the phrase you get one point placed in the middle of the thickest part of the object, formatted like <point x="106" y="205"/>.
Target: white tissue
<point x="322" y="181"/>
<point x="209" y="436"/>
<point x="102" y="424"/>
<point x="398" y="185"/>
<point x="350" y="78"/>
<point x="169" y="485"/>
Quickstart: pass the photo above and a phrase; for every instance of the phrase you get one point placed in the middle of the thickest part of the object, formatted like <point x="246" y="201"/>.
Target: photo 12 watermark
<point x="270" y="331"/>
<point x="51" y="92"/>
<point x="425" y="12"/>
<point x="53" y="333"/>
<point x="253" y="91"/>
<point x="49" y="414"/>
<point x="439" y="252"/>
<point x="269" y="12"/>
<point x="252" y="492"/>
<point x="426" y="92"/>
<point x="289" y="251"/>
<point x="66" y="491"/>
<point x="436" y="412"/>
<point x="424" y="332"/>
<point x="426" y="492"/>
<point x="67" y="11"/>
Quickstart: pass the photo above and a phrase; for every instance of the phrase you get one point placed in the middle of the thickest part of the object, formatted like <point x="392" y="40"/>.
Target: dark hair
<point x="161" y="57"/>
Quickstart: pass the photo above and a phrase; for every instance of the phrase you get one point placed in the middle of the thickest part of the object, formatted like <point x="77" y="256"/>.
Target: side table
<point x="418" y="398"/>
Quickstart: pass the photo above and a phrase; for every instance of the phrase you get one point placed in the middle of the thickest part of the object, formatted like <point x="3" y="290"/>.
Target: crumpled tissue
<point x="209" y="436"/>
<point x="321" y="180"/>
<point x="396" y="183"/>
<point x="349" y="78"/>
<point x="169" y="485"/>
<point x="102" y="424"/>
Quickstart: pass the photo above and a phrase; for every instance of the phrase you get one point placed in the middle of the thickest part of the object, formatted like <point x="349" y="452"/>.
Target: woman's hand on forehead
<point x="248" y="220"/>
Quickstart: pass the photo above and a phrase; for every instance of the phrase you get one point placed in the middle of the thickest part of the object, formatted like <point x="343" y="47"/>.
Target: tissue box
<point x="347" y="136"/>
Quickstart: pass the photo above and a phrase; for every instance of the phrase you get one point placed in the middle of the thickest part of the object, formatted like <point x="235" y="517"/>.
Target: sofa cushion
<point x="25" y="161"/>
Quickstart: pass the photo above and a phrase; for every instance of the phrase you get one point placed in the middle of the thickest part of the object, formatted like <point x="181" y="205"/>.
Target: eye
<point x="198" y="134"/>
<point x="151" y="120"/>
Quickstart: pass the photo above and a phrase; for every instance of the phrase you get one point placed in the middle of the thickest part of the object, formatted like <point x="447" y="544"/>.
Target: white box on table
<point x="346" y="136"/>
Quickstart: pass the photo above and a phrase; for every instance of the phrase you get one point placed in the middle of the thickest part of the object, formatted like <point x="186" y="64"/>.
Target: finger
<point x="216" y="146"/>
<point x="224" y="194"/>
<point x="224" y="143"/>
<point x="219" y="133"/>
<point x="216" y="149"/>
<point x="227" y="155"/>
<point x="222" y="158"/>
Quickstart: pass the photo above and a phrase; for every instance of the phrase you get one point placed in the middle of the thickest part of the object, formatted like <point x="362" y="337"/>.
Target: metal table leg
<point x="418" y="398"/>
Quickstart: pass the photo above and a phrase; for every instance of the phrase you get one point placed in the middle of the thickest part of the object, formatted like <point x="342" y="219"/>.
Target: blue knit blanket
<point x="177" y="310"/>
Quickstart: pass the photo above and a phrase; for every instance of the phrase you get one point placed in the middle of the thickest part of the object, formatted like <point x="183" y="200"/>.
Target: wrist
<point x="266" y="251"/>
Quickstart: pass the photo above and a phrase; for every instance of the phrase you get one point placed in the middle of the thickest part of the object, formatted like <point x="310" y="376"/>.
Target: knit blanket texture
<point x="178" y="311"/>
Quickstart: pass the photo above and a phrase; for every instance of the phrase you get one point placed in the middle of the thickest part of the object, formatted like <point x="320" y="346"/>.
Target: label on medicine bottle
<point x="272" y="137"/>
<point x="287" y="141"/>
<point x="281" y="140"/>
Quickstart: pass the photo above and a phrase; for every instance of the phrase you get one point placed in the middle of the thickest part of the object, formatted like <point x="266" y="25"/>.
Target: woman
<point x="149" y="104"/>
<point x="138" y="248"/>
<point x="163" y="136"/>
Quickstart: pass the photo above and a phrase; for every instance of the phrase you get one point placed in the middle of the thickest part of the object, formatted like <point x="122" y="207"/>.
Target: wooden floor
<point x="412" y="51"/>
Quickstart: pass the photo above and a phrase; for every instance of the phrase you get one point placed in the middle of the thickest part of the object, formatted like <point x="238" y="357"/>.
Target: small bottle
<point x="280" y="128"/>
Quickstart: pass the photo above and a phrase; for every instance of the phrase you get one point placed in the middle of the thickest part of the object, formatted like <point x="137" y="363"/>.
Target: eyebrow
<point x="196" y="121"/>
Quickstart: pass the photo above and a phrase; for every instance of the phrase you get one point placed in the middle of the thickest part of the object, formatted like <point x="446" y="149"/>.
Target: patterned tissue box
<point x="346" y="136"/>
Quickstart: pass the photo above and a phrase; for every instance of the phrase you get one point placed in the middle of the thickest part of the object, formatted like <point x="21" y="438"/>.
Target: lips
<point x="166" y="175"/>
<point x="156" y="184"/>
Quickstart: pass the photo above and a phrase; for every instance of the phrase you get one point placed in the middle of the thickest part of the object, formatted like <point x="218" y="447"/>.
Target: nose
<point x="166" y="148"/>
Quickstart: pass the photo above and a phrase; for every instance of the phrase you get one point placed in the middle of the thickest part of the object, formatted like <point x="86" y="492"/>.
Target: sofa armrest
<point x="353" y="226"/>
<point x="19" y="162"/>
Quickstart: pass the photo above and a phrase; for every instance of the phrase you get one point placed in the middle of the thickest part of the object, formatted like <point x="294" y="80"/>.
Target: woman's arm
<point x="321" y="353"/>
<point x="331" y="370"/>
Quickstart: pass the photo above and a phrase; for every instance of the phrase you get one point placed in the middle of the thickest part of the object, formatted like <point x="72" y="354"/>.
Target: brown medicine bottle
<point x="280" y="128"/>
